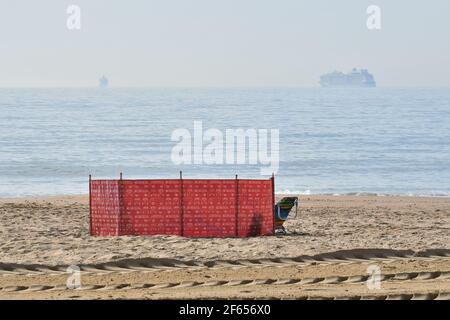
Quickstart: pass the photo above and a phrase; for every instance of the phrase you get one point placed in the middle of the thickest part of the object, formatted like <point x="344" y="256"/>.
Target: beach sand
<point x="333" y="244"/>
<point x="54" y="231"/>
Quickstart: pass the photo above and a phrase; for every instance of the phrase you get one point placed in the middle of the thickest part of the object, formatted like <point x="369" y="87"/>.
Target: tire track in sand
<point x="334" y="280"/>
<point x="152" y="265"/>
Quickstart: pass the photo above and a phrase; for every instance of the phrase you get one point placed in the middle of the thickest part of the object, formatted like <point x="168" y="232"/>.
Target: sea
<point x="377" y="141"/>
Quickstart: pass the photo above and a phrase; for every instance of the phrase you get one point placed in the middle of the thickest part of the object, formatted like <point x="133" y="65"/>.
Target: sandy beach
<point x="54" y="231"/>
<point x="331" y="242"/>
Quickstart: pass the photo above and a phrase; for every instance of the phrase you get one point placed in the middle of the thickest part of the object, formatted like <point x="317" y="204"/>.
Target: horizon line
<point x="213" y="86"/>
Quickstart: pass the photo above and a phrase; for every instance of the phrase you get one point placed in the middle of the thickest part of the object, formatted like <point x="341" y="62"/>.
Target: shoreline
<point x="84" y="198"/>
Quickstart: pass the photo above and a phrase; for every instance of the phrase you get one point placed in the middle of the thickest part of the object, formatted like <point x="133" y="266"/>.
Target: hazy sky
<point x="222" y="43"/>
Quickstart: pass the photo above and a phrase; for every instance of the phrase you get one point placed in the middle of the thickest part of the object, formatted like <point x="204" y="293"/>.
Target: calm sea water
<point x="383" y="141"/>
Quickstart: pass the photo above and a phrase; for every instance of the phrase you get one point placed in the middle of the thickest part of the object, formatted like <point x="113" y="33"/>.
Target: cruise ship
<point x="356" y="78"/>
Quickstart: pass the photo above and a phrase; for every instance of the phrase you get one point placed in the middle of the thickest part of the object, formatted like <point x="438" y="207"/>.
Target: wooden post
<point x="237" y="207"/>
<point x="273" y="201"/>
<point x="90" y="205"/>
<point x="121" y="208"/>
<point x="181" y="204"/>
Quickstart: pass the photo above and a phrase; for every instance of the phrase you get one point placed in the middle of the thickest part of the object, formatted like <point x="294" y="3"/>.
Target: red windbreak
<point x="191" y="208"/>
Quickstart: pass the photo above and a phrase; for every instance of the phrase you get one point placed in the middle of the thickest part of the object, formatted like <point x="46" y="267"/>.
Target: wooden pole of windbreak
<point x="90" y="206"/>
<point x="273" y="201"/>
<point x="181" y="204"/>
<point x="121" y="208"/>
<point x="237" y="207"/>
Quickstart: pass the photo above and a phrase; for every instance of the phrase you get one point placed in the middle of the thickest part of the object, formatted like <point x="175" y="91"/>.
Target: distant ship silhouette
<point x="103" y="82"/>
<point x="357" y="78"/>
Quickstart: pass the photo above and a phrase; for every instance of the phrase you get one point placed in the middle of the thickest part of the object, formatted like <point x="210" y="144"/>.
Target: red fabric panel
<point x="150" y="207"/>
<point x="255" y="208"/>
<point x="209" y="208"/>
<point x="105" y="208"/>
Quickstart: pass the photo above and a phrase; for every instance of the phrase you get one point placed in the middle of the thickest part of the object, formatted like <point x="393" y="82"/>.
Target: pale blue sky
<point x="222" y="43"/>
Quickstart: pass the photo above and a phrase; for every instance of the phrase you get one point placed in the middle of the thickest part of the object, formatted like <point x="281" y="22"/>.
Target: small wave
<point x="364" y="194"/>
<point x="306" y="192"/>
